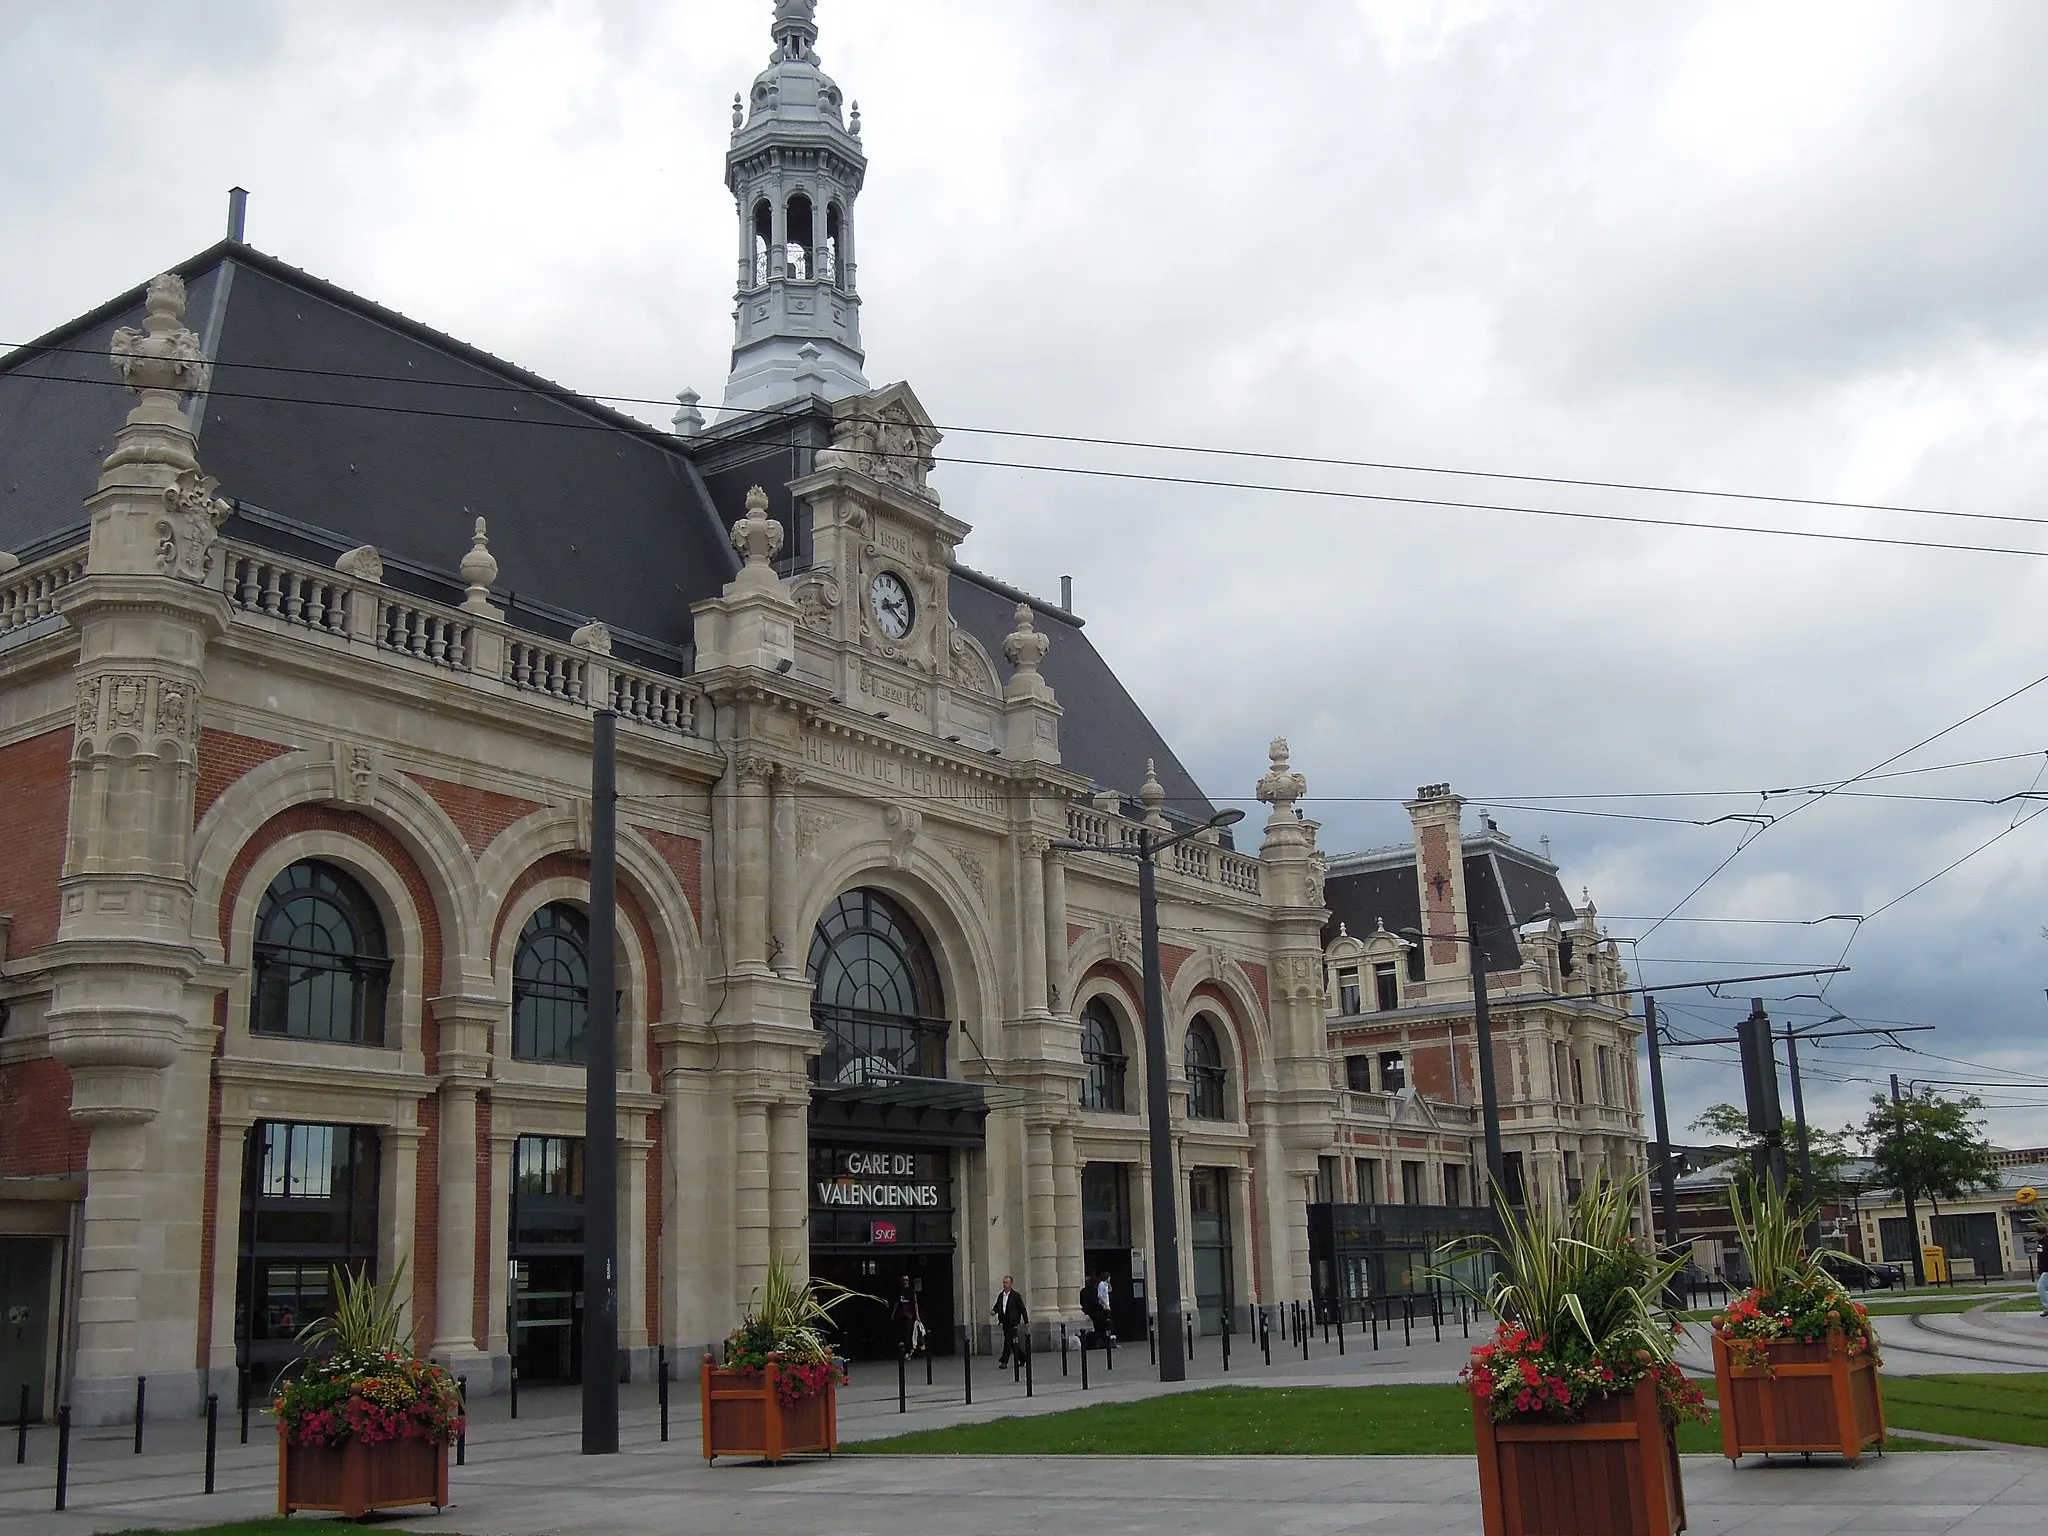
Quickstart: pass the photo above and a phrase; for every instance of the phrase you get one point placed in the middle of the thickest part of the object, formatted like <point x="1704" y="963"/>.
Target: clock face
<point x="890" y="599"/>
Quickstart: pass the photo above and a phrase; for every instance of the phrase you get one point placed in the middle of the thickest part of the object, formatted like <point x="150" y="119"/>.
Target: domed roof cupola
<point x="794" y="169"/>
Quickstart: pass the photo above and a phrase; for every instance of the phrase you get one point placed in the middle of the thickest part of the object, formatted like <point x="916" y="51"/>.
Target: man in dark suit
<point x="1010" y="1312"/>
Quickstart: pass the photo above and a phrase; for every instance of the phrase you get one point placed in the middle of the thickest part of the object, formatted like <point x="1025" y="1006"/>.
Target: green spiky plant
<point x="369" y="1319"/>
<point x="788" y="1321"/>
<point x="1791" y="1296"/>
<point x="361" y="1379"/>
<point x="1576" y="1292"/>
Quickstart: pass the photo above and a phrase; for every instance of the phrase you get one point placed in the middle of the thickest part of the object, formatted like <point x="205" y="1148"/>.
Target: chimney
<point x="1438" y="818"/>
<point x="238" y="212"/>
<point x="1067" y="593"/>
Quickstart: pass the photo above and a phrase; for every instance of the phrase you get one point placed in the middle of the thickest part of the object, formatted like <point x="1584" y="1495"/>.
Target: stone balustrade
<point x="29" y="592"/>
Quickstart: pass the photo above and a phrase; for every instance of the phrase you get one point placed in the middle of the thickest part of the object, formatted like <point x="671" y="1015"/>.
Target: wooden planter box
<point x="1612" y="1473"/>
<point x="1815" y="1397"/>
<point x="353" y="1478"/>
<point x="742" y="1417"/>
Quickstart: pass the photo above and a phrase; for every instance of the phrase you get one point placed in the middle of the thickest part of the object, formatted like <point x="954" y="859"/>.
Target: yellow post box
<point x="1934" y="1260"/>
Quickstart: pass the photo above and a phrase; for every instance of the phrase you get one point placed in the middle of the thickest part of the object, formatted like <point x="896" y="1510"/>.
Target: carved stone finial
<point x="853" y="123"/>
<point x="739" y="112"/>
<point x="1024" y="645"/>
<point x="1281" y="786"/>
<point x="1344" y="931"/>
<point x="363" y="562"/>
<point x="757" y="536"/>
<point x="593" y="637"/>
<point x="479" y="569"/>
<point x="165" y="353"/>
<point x="688" y="421"/>
<point x="1152" y="795"/>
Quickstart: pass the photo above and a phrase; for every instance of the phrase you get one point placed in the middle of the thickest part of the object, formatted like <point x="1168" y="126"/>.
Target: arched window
<point x="877" y="994"/>
<point x="1204" y="1061"/>
<point x="1102" y="1055"/>
<point x="798" y="252"/>
<point x="764" y="235"/>
<point x="551" y="985"/>
<point x="321" y="963"/>
<point x="828" y="258"/>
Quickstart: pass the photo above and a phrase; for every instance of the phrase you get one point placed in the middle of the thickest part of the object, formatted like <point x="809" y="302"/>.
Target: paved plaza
<point x="526" y="1478"/>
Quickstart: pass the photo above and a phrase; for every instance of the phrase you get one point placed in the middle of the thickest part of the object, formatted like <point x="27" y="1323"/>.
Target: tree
<point x="1924" y="1145"/>
<point x="1829" y="1149"/>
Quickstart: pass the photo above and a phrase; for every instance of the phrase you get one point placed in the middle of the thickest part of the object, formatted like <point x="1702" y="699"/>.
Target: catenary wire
<point x="1185" y="481"/>
<point x="562" y="394"/>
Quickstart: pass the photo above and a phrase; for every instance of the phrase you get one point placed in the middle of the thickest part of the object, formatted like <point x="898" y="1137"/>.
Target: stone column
<point x="109" y="1255"/>
<point x="785" y="942"/>
<point x="750" y="864"/>
<point x="752" y="1219"/>
<point x="455" y="1245"/>
<point x="1043" y="1224"/>
<point x="788" y="1153"/>
<point x="1031" y="849"/>
<point x="231" y="1159"/>
<point x="1056" y="932"/>
<point x="497" y="1335"/>
<point x="398" y="1180"/>
<point x="1066" y="1182"/>
<point x="1141" y="1224"/>
<point x="633" y="1150"/>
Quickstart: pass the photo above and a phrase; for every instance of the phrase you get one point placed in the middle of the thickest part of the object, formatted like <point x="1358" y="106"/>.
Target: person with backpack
<point x="1095" y="1303"/>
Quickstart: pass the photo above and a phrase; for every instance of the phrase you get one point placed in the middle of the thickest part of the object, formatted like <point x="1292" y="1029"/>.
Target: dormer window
<point x="1415" y="964"/>
<point x="1386" y="987"/>
<point x="1348" y="1001"/>
<point x="1393" y="1072"/>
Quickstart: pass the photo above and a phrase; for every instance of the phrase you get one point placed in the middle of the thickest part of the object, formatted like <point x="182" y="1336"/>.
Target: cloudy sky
<point x="1779" y="248"/>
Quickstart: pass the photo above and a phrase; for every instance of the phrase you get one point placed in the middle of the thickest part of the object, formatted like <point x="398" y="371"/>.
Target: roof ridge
<point x="1002" y="588"/>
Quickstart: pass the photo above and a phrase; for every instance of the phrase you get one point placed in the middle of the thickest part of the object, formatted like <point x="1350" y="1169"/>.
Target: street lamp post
<point x="1165" y="1278"/>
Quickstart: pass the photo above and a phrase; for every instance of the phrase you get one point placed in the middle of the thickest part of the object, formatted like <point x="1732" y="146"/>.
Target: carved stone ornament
<point x="970" y="866"/>
<point x="904" y="826"/>
<point x="885" y="442"/>
<point x="363" y="562"/>
<point x="357" y="766"/>
<point x="8" y="562"/>
<point x="1152" y="795"/>
<point x="593" y="637"/>
<point x="479" y="569"/>
<point x="968" y="664"/>
<point x="88" y="706"/>
<point x="188" y="527"/>
<point x="816" y="596"/>
<point x="164" y="354"/>
<point x="173" y="710"/>
<point x="1281" y="786"/>
<point x="1024" y="645"/>
<point x="126" y="699"/>
<point x="757" y="536"/>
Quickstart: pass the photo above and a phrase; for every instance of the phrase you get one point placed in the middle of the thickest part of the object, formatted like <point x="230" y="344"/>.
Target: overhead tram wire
<point x="564" y="395"/>
<point x="1138" y="476"/>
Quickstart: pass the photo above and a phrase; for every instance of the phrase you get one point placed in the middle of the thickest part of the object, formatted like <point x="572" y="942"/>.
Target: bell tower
<point x="794" y="169"/>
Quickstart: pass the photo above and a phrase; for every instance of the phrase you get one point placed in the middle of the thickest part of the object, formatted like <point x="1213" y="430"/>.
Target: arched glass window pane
<point x="877" y="993"/>
<point x="1102" y="1057"/>
<point x="551" y="985"/>
<point x="321" y="966"/>
<point x="1204" y="1063"/>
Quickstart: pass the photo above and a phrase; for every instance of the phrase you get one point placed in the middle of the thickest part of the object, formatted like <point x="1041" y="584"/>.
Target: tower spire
<point x="794" y="169"/>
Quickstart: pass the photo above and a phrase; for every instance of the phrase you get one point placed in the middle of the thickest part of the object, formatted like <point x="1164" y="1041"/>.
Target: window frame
<point x="1208" y="1080"/>
<point x="548" y="921"/>
<point x="366" y="965"/>
<point x="1105" y="1063"/>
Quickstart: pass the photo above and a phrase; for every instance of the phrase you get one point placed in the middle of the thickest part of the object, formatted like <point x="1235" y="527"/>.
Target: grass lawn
<point x="1283" y="1421"/>
<point x="271" y="1527"/>
<point x="2013" y="1409"/>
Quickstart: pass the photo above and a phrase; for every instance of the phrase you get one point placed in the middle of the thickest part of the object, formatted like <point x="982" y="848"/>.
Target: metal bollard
<point x="63" y="1452"/>
<point x="967" y="1361"/>
<point x="1108" y="1352"/>
<point x="1028" y="1353"/>
<point x="1084" y="1362"/>
<point x="21" y="1429"/>
<point x="1063" y="1349"/>
<point x="661" y="1389"/>
<point x="902" y="1381"/>
<point x="462" y="1434"/>
<point x="1340" y="1327"/>
<point x="927" y="1359"/>
<point x="1304" y="1331"/>
<point x="1407" y="1320"/>
<point x="141" y="1388"/>
<point x="1226" y="1346"/>
<point x="513" y="1391"/>
<point x="1436" y="1316"/>
<point x="1151" y="1339"/>
<point x="212" y="1429"/>
<point x="1373" y="1311"/>
<point x="1187" y="1323"/>
<point x="244" y="1394"/>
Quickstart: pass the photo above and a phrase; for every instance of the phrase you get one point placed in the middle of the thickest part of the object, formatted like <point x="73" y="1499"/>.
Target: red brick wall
<point x="685" y="856"/>
<point x="1104" y="970"/>
<point x="1434" y="851"/>
<point x="35" y="794"/>
<point x="1256" y="974"/>
<point x="1171" y="958"/>
<point x="37" y="1133"/>
<point x="223" y="758"/>
<point x="479" y="814"/>
<point x="1429" y="1069"/>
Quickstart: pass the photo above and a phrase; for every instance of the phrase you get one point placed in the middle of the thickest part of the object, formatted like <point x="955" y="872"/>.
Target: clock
<point x="890" y="599"/>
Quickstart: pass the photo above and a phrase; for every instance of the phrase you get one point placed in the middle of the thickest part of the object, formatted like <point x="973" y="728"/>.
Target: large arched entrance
<point x="887" y="1112"/>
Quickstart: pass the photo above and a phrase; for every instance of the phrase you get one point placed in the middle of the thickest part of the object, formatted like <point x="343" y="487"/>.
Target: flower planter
<point x="1811" y="1397"/>
<point x="353" y="1478"/>
<point x="744" y="1417"/>
<point x="1612" y="1473"/>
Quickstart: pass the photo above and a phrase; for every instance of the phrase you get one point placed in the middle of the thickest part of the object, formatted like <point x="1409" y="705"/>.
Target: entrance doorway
<point x="545" y="1300"/>
<point x="1209" y="1224"/>
<point x="1106" y="1244"/>
<point x="26" y="1264"/>
<point x="864" y="1325"/>
<point x="309" y="1212"/>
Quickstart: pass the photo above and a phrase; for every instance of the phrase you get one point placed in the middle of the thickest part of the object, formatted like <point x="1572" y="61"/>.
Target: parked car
<point x="1867" y="1277"/>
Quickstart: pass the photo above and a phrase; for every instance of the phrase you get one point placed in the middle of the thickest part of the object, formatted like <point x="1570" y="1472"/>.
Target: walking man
<point x="1009" y="1311"/>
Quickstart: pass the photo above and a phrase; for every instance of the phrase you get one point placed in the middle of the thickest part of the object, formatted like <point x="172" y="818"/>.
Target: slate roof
<point x="1504" y="885"/>
<point x="334" y="422"/>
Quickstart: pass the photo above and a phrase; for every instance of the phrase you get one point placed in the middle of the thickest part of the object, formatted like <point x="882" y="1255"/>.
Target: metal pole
<point x="601" y="1107"/>
<point x="1667" y="1166"/>
<point x="661" y="1382"/>
<point x="1912" y="1212"/>
<point x="902" y="1380"/>
<point x="967" y="1363"/>
<point x="1808" y="1195"/>
<point x="1063" y="1349"/>
<point x="141" y="1389"/>
<point x="212" y="1429"/>
<point x="462" y="1434"/>
<point x="1084" y="1362"/>
<point x="63" y="1452"/>
<point x="21" y="1430"/>
<point x="1158" y="1111"/>
<point x="927" y="1361"/>
<point x="242" y="1377"/>
<point x="1489" y="1097"/>
<point x="1028" y="1353"/>
<point x="1265" y="1336"/>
